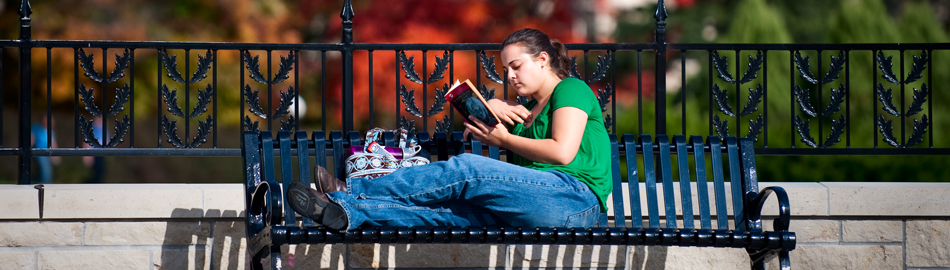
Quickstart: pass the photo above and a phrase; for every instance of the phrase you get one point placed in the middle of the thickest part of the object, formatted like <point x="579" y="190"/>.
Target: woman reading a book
<point x="560" y="150"/>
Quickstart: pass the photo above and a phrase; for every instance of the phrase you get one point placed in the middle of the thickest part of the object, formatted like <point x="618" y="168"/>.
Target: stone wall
<point x="199" y="226"/>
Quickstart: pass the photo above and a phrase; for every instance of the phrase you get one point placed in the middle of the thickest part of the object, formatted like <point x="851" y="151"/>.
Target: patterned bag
<point x="373" y="160"/>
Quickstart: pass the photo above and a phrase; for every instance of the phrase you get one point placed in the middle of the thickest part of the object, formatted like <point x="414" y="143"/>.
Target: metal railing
<point x="721" y="105"/>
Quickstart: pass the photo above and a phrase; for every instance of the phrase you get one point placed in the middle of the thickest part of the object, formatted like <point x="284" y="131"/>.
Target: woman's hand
<point x="490" y="135"/>
<point x="509" y="111"/>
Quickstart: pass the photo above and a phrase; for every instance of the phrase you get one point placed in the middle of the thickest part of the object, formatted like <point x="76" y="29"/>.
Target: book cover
<point x="466" y="99"/>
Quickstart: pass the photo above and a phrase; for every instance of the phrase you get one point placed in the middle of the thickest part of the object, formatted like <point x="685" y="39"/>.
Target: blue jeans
<point x="469" y="191"/>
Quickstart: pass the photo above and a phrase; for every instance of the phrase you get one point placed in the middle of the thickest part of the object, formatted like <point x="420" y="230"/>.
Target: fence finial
<point x="25" y="9"/>
<point x="347" y="13"/>
<point x="660" y="12"/>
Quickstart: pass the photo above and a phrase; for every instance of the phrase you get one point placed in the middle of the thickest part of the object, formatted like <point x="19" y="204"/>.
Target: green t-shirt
<point x="591" y="165"/>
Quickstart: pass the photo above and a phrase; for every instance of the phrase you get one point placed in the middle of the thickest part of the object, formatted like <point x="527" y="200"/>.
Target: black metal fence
<point x="904" y="129"/>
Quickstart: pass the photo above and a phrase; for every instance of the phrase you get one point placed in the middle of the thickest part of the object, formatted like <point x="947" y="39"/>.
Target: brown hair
<point x="534" y="42"/>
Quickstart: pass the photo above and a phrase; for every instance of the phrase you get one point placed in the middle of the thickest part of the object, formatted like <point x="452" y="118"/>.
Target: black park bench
<point x="271" y="223"/>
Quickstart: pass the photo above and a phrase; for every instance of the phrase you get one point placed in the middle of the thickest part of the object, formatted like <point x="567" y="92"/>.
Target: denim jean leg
<point x="374" y="212"/>
<point x="516" y="195"/>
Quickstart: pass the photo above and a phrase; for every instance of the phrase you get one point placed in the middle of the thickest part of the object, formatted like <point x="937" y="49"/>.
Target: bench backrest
<point x="730" y="164"/>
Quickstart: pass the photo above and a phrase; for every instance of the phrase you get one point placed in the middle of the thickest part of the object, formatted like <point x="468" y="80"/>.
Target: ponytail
<point x="560" y="61"/>
<point x="534" y="42"/>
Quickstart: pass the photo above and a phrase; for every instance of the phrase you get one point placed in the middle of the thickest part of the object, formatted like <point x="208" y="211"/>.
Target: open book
<point x="466" y="99"/>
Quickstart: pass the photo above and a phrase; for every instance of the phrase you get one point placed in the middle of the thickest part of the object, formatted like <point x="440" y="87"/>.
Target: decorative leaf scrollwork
<point x="573" y="70"/>
<point x="488" y="64"/>
<point x="837" y="97"/>
<point x="409" y="98"/>
<point x="441" y="65"/>
<point x="410" y="126"/>
<point x="289" y="124"/>
<point x="409" y="66"/>
<point x="88" y="65"/>
<point x="608" y="122"/>
<point x="804" y="101"/>
<point x="89" y="100"/>
<point x="804" y="130"/>
<point x="444" y="125"/>
<point x="603" y="64"/>
<point x="487" y="94"/>
<point x="887" y="130"/>
<point x="286" y="65"/>
<point x="722" y="99"/>
<point x="121" y="97"/>
<point x="171" y="132"/>
<point x="250" y="126"/>
<point x="722" y="66"/>
<point x="887" y="100"/>
<point x="204" y="64"/>
<point x="89" y="136"/>
<point x="920" y="127"/>
<point x="722" y="127"/>
<point x="804" y="68"/>
<point x="204" y="98"/>
<point x="755" y="97"/>
<point x="439" y="104"/>
<point x="171" y="100"/>
<point x="837" y="64"/>
<point x="755" y="127"/>
<point x="286" y="99"/>
<point x="885" y="65"/>
<point x="920" y="96"/>
<point x="253" y="66"/>
<point x="254" y="102"/>
<point x="754" y="65"/>
<point x="522" y="100"/>
<point x="916" y="71"/>
<point x="603" y="97"/>
<point x="171" y="66"/>
<point x="837" y="128"/>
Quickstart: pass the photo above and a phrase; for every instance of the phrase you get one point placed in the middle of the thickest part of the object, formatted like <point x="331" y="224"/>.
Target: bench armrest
<point x="781" y="223"/>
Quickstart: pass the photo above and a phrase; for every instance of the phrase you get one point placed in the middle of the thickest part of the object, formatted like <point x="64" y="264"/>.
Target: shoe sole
<point x="303" y="202"/>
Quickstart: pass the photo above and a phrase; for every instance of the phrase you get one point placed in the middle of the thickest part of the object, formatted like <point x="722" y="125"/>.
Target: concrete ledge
<point x="121" y="201"/>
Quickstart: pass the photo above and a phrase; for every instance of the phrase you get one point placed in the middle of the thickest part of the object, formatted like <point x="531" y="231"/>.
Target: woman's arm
<point x="567" y="128"/>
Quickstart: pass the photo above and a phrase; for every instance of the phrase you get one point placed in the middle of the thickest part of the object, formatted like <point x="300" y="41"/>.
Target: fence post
<point x="26" y="149"/>
<point x="347" y="94"/>
<point x="660" y="80"/>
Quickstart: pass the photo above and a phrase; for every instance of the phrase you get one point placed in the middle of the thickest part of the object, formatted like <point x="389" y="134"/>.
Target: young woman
<point x="560" y="148"/>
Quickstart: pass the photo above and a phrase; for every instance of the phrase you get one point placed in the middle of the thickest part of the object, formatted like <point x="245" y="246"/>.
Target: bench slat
<point x="736" y="183"/>
<point x="751" y="182"/>
<point x="718" y="185"/>
<point x="699" y="161"/>
<point x="286" y="174"/>
<point x="339" y="167"/>
<point x="617" y="193"/>
<point x="686" y="195"/>
<point x="303" y="166"/>
<point x="633" y="181"/>
<point x="649" y="171"/>
<point x="666" y="175"/>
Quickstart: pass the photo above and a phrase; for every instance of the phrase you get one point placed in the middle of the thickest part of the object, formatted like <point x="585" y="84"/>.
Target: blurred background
<point x="469" y="21"/>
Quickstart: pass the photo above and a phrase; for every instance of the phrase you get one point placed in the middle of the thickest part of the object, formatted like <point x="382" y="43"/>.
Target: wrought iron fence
<point x="804" y="111"/>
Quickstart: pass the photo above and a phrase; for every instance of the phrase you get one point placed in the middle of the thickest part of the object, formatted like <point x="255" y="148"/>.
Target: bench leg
<point x="275" y="261"/>
<point x="256" y="263"/>
<point x="759" y="257"/>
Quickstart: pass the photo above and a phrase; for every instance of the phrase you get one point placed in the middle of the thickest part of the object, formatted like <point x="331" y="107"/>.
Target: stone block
<point x="889" y="199"/>
<point x="567" y="256"/>
<point x="655" y="257"/>
<point x="230" y="245"/>
<point x="18" y="260"/>
<point x="122" y="201"/>
<point x="46" y="233"/>
<point x="426" y="256"/>
<point x="928" y="243"/>
<point x="19" y="202"/>
<point x="147" y="233"/>
<point x="94" y="259"/>
<point x="844" y="257"/>
<point x="872" y="230"/>
<point x="811" y="230"/>
<point x="223" y="200"/>
<point x="191" y="259"/>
